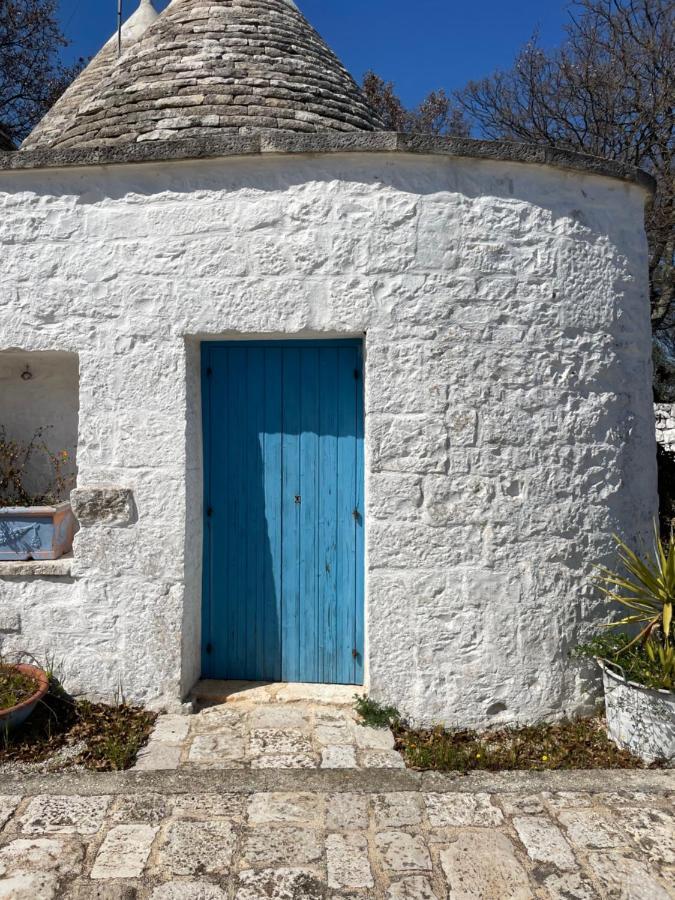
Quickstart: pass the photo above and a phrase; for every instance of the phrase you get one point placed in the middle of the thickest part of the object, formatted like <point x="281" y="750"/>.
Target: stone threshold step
<point x="211" y="691"/>
<point x="191" y="781"/>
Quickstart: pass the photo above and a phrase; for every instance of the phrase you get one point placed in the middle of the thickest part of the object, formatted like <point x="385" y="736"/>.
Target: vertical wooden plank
<point x="290" y="516"/>
<point x="327" y="518"/>
<point x="270" y="665"/>
<point x="234" y="497"/>
<point x="207" y="564"/>
<point x="308" y="509"/>
<point x="219" y="441"/>
<point x="255" y="537"/>
<point x="359" y="555"/>
<point x="347" y="514"/>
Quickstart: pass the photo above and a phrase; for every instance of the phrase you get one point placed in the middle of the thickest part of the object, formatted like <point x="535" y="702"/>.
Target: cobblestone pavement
<point x="215" y="835"/>
<point x="271" y="727"/>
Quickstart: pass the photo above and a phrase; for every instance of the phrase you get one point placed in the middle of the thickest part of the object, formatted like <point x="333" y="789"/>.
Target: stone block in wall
<point x="103" y="504"/>
<point x="458" y="500"/>
<point x="664" y="414"/>
<point x="392" y="495"/>
<point x="10" y="621"/>
<point x="413" y="444"/>
<point x="462" y="427"/>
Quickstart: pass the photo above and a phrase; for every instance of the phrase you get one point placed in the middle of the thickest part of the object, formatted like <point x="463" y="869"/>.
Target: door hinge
<point x="209" y="512"/>
<point x="355" y="653"/>
<point x="357" y="374"/>
<point x="209" y="372"/>
<point x="209" y="648"/>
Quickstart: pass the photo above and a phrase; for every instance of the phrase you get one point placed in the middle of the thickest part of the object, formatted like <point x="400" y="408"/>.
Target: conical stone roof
<point x="203" y="68"/>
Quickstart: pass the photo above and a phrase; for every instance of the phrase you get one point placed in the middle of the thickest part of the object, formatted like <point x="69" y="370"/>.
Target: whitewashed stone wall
<point x="41" y="391"/>
<point x="509" y="421"/>
<point x="664" y="414"/>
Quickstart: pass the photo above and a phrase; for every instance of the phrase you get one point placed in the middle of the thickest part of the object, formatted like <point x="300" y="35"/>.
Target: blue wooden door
<point x="283" y="547"/>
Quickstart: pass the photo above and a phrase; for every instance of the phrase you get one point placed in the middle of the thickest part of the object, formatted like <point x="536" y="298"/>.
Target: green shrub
<point x="374" y="714"/>
<point x="639" y="662"/>
<point x="645" y="649"/>
<point x="15" y="687"/>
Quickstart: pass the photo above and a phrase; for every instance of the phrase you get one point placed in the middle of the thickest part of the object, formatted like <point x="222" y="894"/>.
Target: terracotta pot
<point x="17" y="715"/>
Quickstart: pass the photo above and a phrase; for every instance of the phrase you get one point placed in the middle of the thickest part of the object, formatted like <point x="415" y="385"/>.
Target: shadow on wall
<point x="40" y="390"/>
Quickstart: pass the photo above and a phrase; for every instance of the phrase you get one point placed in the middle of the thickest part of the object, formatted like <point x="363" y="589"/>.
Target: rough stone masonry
<point x="509" y="425"/>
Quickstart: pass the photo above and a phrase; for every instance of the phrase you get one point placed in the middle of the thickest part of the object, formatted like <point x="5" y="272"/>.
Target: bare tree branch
<point x="31" y="76"/>
<point x="609" y="91"/>
<point x="436" y="114"/>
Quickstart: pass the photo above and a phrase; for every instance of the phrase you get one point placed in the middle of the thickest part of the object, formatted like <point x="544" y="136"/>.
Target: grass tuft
<point x="15" y="687"/>
<point x="579" y="744"/>
<point x="374" y="714"/>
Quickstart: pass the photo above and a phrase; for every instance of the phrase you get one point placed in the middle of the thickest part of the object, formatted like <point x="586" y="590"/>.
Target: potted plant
<point x="637" y="655"/>
<point x="22" y="687"/>
<point x="34" y="524"/>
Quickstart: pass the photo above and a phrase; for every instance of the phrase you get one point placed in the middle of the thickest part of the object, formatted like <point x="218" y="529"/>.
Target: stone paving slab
<point x="269" y="727"/>
<point x="527" y="791"/>
<point x="146" y="836"/>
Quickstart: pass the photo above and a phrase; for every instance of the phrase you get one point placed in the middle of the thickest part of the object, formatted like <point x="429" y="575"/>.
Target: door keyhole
<point x="298" y="498"/>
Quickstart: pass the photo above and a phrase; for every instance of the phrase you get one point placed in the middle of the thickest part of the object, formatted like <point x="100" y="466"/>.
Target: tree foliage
<point x="436" y="114"/>
<point x="31" y="76"/>
<point x="609" y="90"/>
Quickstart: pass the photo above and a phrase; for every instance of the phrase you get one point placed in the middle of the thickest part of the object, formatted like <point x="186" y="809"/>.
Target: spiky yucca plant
<point x="647" y="590"/>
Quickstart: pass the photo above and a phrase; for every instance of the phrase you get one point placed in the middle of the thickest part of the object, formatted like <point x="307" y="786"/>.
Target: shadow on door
<point x="283" y="567"/>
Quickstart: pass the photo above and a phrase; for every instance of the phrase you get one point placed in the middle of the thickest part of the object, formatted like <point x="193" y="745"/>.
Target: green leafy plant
<point x="15" y="687"/>
<point x="576" y="744"/>
<point x="640" y="662"/>
<point x="17" y="458"/>
<point x="646" y="589"/>
<point x="108" y="737"/>
<point x="374" y="714"/>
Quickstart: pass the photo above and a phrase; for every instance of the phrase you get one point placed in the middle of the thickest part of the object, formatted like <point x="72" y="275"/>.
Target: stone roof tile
<point x="226" y="66"/>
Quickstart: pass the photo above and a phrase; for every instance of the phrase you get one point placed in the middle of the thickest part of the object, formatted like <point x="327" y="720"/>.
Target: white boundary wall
<point x="665" y="424"/>
<point x="509" y="421"/>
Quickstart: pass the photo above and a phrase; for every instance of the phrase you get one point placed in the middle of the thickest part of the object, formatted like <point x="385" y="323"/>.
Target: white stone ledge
<point x="37" y="568"/>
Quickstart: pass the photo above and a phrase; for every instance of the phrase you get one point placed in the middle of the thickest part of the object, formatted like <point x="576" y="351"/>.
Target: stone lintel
<point x="291" y="143"/>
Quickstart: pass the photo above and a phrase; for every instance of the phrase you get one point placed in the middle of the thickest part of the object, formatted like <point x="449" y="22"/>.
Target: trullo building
<point x="346" y="406"/>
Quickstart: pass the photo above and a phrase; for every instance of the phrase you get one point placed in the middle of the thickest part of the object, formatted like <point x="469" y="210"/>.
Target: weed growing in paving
<point x="374" y="714"/>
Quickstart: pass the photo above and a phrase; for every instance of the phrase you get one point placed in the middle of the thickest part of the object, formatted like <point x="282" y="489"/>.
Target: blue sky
<point x="417" y="44"/>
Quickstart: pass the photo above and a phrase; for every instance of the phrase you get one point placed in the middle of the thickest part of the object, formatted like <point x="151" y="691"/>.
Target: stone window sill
<point x="37" y="568"/>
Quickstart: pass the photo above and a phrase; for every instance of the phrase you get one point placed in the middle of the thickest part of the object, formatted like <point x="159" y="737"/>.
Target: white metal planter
<point x="639" y="719"/>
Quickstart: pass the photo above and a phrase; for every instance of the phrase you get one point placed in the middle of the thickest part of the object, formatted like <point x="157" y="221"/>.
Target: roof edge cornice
<point x="289" y="143"/>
